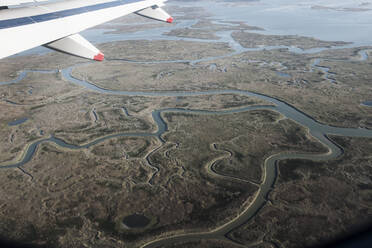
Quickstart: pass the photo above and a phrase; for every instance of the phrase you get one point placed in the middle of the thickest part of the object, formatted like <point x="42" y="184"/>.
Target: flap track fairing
<point x="76" y="45"/>
<point x="155" y="12"/>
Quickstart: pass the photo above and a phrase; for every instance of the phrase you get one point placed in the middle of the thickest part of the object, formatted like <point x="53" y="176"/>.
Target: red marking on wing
<point x="170" y="20"/>
<point x="99" y="57"/>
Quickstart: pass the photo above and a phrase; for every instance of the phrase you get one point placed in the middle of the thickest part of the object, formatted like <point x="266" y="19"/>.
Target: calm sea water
<point x="299" y="17"/>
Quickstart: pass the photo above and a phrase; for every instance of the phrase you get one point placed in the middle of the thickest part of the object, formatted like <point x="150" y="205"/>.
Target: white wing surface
<point x="18" y="2"/>
<point x="56" y="25"/>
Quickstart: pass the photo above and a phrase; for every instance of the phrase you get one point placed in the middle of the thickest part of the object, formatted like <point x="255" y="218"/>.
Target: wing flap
<point x="155" y="12"/>
<point x="76" y="45"/>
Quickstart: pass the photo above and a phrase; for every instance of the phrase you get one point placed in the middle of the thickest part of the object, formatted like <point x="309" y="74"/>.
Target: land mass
<point x="177" y="135"/>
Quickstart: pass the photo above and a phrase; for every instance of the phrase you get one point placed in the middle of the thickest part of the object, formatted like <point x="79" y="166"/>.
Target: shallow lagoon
<point x="338" y="20"/>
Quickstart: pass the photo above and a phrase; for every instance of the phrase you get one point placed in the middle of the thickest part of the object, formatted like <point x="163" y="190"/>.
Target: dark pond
<point x="136" y="221"/>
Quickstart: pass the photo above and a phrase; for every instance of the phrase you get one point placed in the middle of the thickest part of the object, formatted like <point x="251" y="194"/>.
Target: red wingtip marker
<point x="170" y="20"/>
<point x="99" y="57"/>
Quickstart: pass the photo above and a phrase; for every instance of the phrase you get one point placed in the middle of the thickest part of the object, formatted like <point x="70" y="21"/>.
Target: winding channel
<point x="317" y="130"/>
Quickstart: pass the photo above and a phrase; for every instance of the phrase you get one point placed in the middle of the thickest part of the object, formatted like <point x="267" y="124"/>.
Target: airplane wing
<point x="18" y="2"/>
<point x="56" y="24"/>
